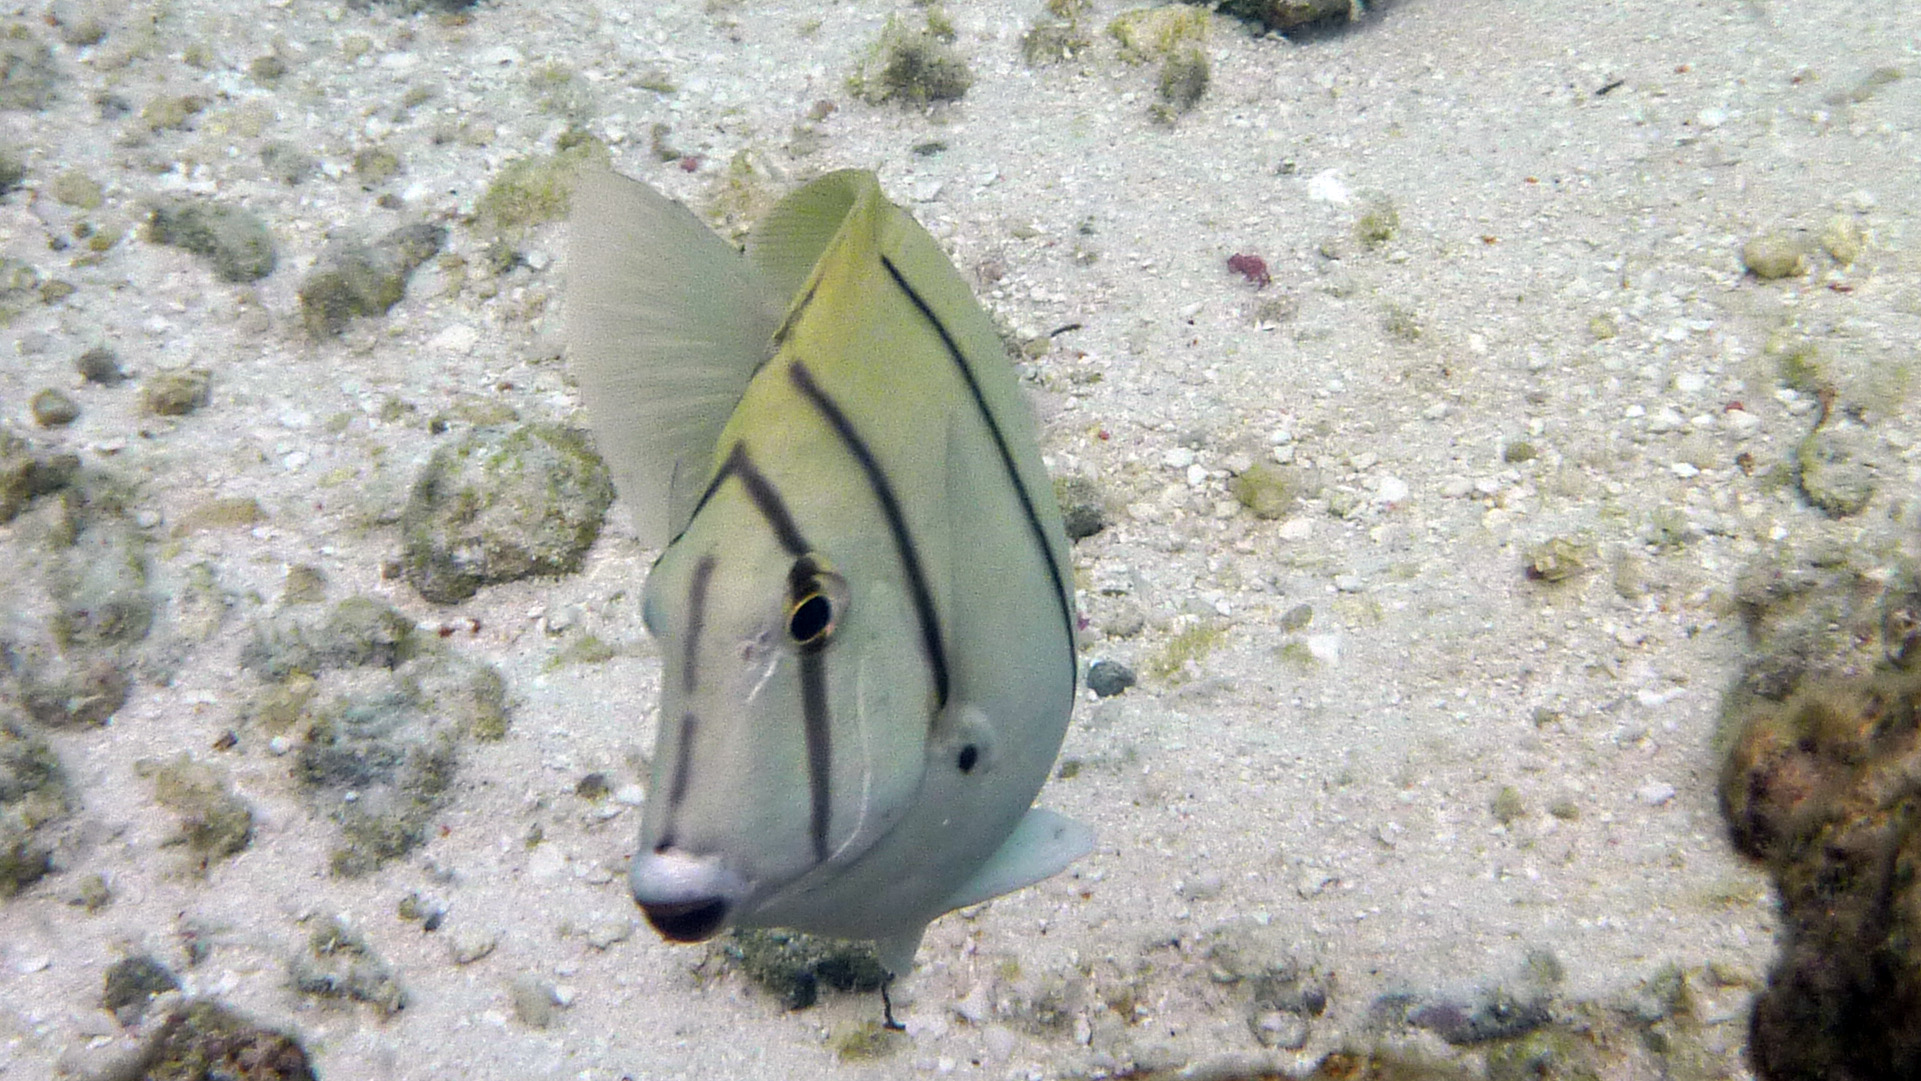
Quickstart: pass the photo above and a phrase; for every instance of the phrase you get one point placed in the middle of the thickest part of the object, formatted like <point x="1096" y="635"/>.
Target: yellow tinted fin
<point x="789" y="241"/>
<point x="665" y="325"/>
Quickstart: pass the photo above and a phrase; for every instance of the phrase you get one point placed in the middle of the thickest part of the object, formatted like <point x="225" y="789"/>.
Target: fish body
<point x="864" y="603"/>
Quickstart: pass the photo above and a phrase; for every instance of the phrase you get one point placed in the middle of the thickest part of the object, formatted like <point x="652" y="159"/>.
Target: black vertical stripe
<point x="683" y="758"/>
<point x="689" y="679"/>
<point x="820" y="751"/>
<point x="696" y="619"/>
<point x="793" y="317"/>
<point x="766" y="499"/>
<point x="1007" y="463"/>
<point x="883" y="490"/>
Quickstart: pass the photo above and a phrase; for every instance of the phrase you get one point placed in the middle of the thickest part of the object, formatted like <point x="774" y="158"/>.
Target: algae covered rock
<point x="500" y="504"/>
<point x="531" y="191"/>
<point x="914" y="67"/>
<point x="1267" y="491"/>
<point x="176" y="394"/>
<point x="1774" y="255"/>
<point x="382" y="714"/>
<point x="131" y="982"/>
<point x="75" y="605"/>
<point x="380" y="748"/>
<point x="1820" y="789"/>
<point x="33" y="796"/>
<point x="53" y="408"/>
<point x="340" y="964"/>
<point x="214" y="823"/>
<point x="100" y="589"/>
<point x="1835" y="466"/>
<point x="1823" y="741"/>
<point x="359" y="631"/>
<point x="1083" y="508"/>
<point x="234" y="239"/>
<point x="203" y="1040"/>
<point x="792" y="966"/>
<point x="1285" y="15"/>
<point x="380" y="766"/>
<point x="352" y="280"/>
<point x="27" y="473"/>
<point x="27" y="71"/>
<point x="1175" y="37"/>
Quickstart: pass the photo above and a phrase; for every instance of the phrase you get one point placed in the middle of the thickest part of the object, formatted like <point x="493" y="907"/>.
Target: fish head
<point x="795" y="711"/>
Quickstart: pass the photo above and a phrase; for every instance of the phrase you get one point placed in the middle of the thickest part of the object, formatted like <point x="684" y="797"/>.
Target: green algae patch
<point x="1268" y="492"/>
<point x="532" y="191"/>
<point x="1188" y="647"/>
<point x="214" y="823"/>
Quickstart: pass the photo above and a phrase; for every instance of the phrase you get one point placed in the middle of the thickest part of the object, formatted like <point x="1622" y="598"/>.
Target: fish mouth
<point x="687" y="896"/>
<point x="688" y="921"/>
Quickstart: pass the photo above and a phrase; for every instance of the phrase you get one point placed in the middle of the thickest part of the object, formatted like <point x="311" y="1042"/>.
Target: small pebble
<point x="54" y="409"/>
<point x="471" y="945"/>
<point x="1202" y="886"/>
<point x="604" y="933"/>
<point x="100" y="365"/>
<point x="1109" y="678"/>
<point x="1773" y="255"/>
<point x="1282" y="1029"/>
<point x="176" y="394"/>
<point x="1842" y="239"/>
<point x="534" y="1001"/>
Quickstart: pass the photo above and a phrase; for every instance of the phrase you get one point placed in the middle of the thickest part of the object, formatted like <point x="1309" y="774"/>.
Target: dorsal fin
<point x="787" y="243"/>
<point x="666" y="323"/>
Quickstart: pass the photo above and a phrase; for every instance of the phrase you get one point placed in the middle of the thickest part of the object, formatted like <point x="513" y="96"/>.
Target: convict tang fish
<point x="864" y="604"/>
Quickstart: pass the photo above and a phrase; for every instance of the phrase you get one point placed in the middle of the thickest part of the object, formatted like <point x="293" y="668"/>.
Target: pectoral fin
<point x="1043" y="844"/>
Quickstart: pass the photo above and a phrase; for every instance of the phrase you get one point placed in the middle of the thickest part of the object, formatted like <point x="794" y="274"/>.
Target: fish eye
<point x="810" y="619"/>
<point x="817" y="599"/>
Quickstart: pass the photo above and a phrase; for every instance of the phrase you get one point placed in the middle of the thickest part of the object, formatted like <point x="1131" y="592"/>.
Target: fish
<point x="863" y="598"/>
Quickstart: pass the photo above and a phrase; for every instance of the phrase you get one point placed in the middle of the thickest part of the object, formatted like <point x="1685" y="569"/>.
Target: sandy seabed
<point x="1488" y="227"/>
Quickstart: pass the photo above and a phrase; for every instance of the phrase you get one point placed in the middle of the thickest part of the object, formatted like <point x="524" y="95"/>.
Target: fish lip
<point x="688" y="921"/>
<point x="686" y="897"/>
